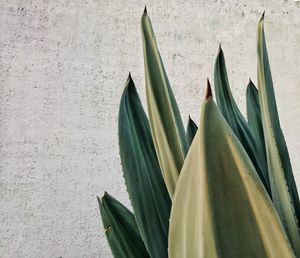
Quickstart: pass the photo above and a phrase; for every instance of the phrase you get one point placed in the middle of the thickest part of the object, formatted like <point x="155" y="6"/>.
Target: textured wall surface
<point x="63" y="65"/>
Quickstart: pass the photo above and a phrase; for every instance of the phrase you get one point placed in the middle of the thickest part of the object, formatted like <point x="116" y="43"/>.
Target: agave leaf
<point x="220" y="207"/>
<point x="121" y="229"/>
<point x="254" y="118"/>
<point x="165" y="120"/>
<point x="191" y="130"/>
<point x="147" y="190"/>
<point x="235" y="119"/>
<point x="283" y="187"/>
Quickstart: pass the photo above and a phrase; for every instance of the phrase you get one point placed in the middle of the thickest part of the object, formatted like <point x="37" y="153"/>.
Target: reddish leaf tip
<point x="208" y="92"/>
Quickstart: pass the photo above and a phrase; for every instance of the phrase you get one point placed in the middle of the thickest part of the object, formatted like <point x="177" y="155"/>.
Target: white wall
<point x="63" y="67"/>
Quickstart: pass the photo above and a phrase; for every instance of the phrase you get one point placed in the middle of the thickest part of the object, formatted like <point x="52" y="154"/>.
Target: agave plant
<point x="225" y="189"/>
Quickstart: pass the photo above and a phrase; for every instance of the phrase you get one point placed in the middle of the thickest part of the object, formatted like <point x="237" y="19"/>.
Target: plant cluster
<point x="225" y="189"/>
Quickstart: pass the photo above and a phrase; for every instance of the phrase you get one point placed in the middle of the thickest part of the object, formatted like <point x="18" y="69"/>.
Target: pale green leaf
<point x="165" y="120"/>
<point x="220" y="208"/>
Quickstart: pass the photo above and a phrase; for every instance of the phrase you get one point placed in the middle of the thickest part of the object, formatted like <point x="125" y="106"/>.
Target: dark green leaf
<point x="191" y="131"/>
<point x="235" y="119"/>
<point x="121" y="229"/>
<point x="147" y="190"/>
<point x="255" y="123"/>
<point x="254" y="115"/>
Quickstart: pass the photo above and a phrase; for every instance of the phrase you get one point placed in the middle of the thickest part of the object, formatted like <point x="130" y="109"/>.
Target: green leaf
<point x="121" y="229"/>
<point x="147" y="190"/>
<point x="283" y="187"/>
<point x="191" y="130"/>
<point x="254" y="115"/>
<point x="220" y="207"/>
<point x="255" y="123"/>
<point x="235" y="119"/>
<point x="165" y="120"/>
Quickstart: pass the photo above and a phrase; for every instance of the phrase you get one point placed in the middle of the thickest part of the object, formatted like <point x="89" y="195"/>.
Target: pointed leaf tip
<point x="208" y="93"/>
<point x="262" y="18"/>
<point x="106" y="194"/>
<point x="129" y="83"/>
<point x="145" y="10"/>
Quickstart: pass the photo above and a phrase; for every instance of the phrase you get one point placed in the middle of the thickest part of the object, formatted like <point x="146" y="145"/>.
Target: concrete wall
<point x="63" y="67"/>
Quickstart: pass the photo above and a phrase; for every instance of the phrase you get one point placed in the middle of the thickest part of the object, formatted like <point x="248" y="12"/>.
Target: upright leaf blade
<point x="220" y="207"/>
<point x="165" y="120"/>
<point x="283" y="187"/>
<point x="235" y="119"/>
<point x="253" y="111"/>
<point x="147" y="191"/>
<point x="254" y="118"/>
<point x="121" y="229"/>
<point x="191" y="130"/>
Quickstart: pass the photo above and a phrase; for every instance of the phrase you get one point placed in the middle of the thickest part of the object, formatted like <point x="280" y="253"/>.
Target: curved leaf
<point x="121" y="229"/>
<point x="283" y="187"/>
<point x="147" y="191"/>
<point x="220" y="207"/>
<point x="235" y="119"/>
<point x="191" y="130"/>
<point x="165" y="120"/>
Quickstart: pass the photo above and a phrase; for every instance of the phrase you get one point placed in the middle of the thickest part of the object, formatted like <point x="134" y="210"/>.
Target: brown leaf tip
<point x="208" y="92"/>
<point x="263" y="15"/>
<point x="145" y="10"/>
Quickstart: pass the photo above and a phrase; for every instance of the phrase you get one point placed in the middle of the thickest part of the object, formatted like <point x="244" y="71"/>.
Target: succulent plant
<point x="225" y="189"/>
